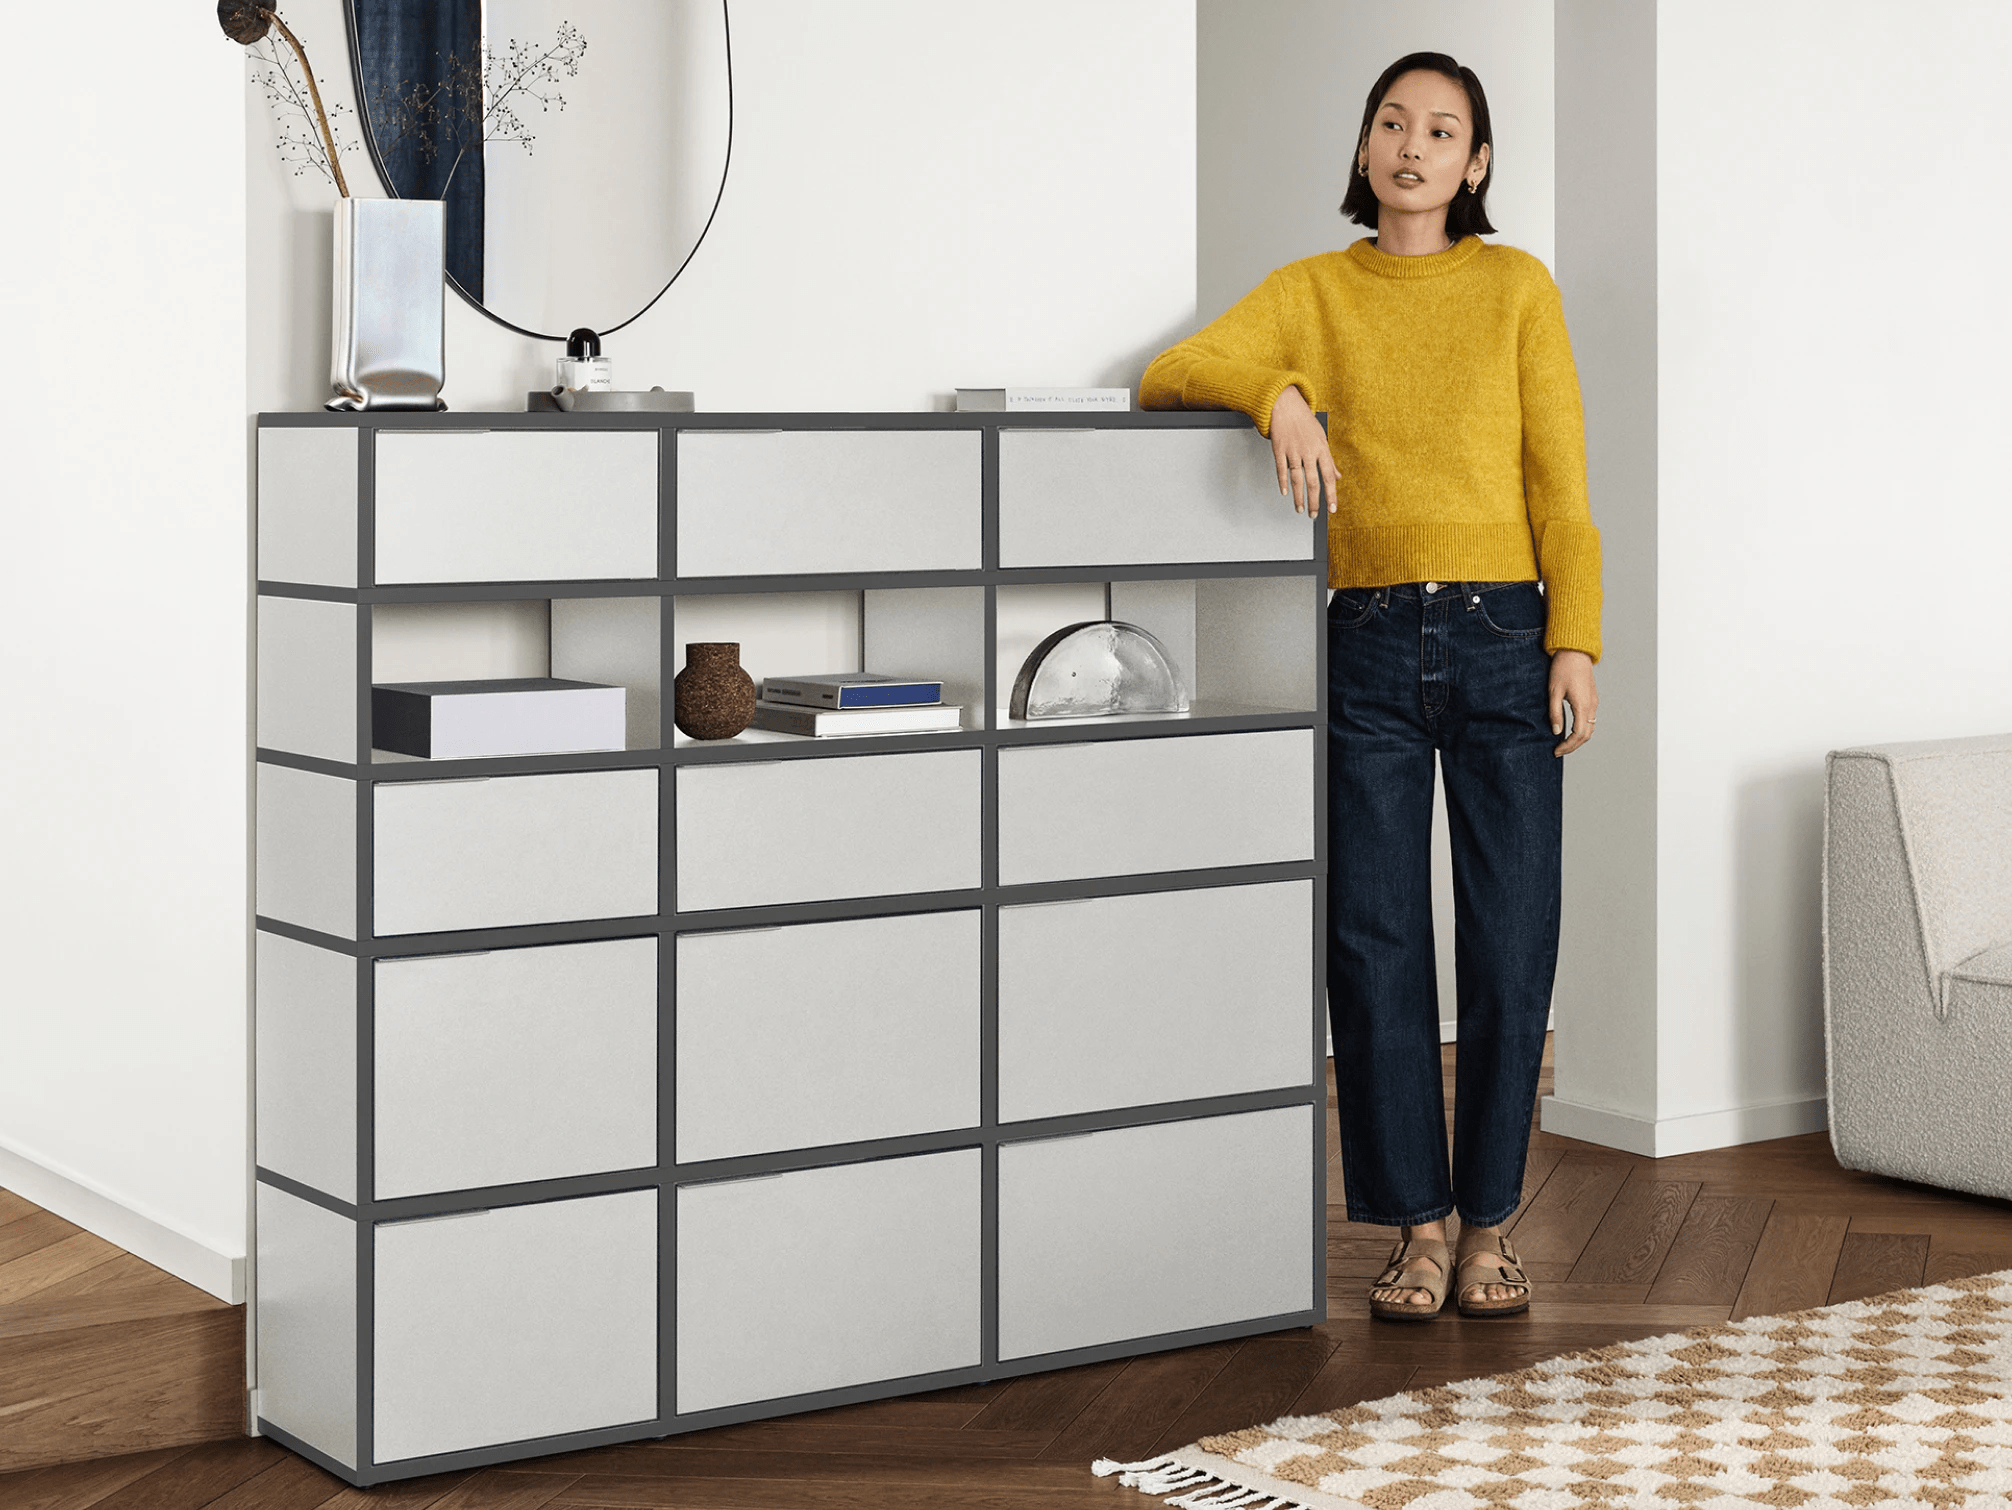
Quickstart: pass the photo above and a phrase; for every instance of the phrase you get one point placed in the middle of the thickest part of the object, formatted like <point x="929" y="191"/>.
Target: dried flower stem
<point x="327" y="136"/>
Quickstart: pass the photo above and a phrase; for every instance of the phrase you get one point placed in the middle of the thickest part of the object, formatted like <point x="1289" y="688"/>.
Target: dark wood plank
<point x="1348" y="1378"/>
<point x="292" y="1483"/>
<point x="596" y="1493"/>
<point x="1710" y="1255"/>
<point x="792" y="1434"/>
<point x="1961" y="1258"/>
<point x="33" y="1231"/>
<point x="1047" y="1402"/>
<point x="492" y="1489"/>
<point x="1258" y="1384"/>
<point x="1135" y="1409"/>
<point x="13" y="1207"/>
<point x="937" y="1415"/>
<point x="1872" y="1263"/>
<point x="60" y="1260"/>
<point x="407" y="1494"/>
<point x="1793" y="1264"/>
<point x="197" y="1477"/>
<point x="111" y="1390"/>
<point x="1556" y="1224"/>
<point x="1633" y="1239"/>
<point x="78" y="1486"/>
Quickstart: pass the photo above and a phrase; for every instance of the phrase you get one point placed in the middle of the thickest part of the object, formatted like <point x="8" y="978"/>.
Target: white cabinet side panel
<point x="826" y="1277"/>
<point x="306" y="1322"/>
<point x="619" y="643"/>
<point x="1106" y="497"/>
<point x="306" y="1054"/>
<point x="754" y="502"/>
<point x="307" y="677"/>
<point x="307" y="849"/>
<point x="307" y="505"/>
<point x="1164" y="996"/>
<point x="826" y="1033"/>
<point x="524" y="1321"/>
<point x="516" y="1064"/>
<point x="1257" y="640"/>
<point x="806" y="830"/>
<point x="516" y="505"/>
<point x="515" y="849"/>
<point x="1128" y="807"/>
<point x="1146" y="1230"/>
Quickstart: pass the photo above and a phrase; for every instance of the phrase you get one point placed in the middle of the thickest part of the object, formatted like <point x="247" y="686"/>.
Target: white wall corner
<point x="1663" y="1138"/>
<point x="142" y="1234"/>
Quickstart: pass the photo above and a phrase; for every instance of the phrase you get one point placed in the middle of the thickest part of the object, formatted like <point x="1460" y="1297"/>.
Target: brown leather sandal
<point x="1396" y="1276"/>
<point x="1510" y="1273"/>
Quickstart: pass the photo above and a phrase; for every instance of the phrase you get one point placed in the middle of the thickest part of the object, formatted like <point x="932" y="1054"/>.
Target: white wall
<point x="1831" y="498"/>
<point x="922" y="197"/>
<point x="1273" y="161"/>
<point x="122" y="602"/>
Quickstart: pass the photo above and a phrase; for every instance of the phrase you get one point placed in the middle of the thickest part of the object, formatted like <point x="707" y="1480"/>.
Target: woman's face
<point x="1417" y="149"/>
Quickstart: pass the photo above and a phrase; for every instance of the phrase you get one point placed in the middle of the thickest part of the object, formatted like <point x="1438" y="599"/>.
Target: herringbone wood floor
<point x="1623" y="1247"/>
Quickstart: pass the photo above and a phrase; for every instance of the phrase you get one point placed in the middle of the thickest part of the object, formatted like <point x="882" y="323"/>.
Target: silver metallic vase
<point x="389" y="349"/>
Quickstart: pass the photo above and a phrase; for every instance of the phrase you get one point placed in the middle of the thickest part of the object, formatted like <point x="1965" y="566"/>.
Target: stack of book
<point x="854" y="702"/>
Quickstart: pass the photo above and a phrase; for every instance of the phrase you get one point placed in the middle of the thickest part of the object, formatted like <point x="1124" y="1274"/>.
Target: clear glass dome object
<point x="1095" y="669"/>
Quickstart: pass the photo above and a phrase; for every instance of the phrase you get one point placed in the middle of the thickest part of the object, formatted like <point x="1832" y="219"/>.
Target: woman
<point x="1465" y="623"/>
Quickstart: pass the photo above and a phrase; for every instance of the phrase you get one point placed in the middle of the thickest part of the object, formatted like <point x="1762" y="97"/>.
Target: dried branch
<point x="301" y="145"/>
<point x="248" y="22"/>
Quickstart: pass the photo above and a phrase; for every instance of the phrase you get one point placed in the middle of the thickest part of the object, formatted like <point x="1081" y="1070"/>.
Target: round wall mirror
<point x="580" y="146"/>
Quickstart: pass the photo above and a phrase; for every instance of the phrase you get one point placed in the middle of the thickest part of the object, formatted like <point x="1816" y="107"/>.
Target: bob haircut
<point x="1468" y="214"/>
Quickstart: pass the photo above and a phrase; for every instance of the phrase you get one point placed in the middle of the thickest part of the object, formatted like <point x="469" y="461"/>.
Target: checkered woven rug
<point x="1901" y="1399"/>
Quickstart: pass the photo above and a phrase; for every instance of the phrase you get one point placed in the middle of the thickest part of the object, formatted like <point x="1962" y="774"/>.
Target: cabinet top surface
<point x="1096" y="419"/>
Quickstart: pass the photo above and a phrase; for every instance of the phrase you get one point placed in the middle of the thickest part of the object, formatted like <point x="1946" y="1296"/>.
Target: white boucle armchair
<point x="1917" y="961"/>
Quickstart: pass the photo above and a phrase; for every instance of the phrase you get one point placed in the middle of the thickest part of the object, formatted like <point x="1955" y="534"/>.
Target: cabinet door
<point x="1166" y="996"/>
<point x="762" y="502"/>
<point x="1112" y="497"/>
<point x="497" y="852"/>
<point x="515" y="1064"/>
<point x="515" y="1324"/>
<point x="751" y="834"/>
<point x="826" y="1033"/>
<point x="1127" y="807"/>
<point x="821" y="1278"/>
<point x="516" y="505"/>
<point x="1145" y="1231"/>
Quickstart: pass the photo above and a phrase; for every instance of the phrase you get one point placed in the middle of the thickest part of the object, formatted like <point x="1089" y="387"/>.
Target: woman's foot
<point x="1491" y="1278"/>
<point x="1414" y="1257"/>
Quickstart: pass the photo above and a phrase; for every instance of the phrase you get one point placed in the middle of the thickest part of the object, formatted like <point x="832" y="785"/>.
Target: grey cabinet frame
<point x="667" y="1174"/>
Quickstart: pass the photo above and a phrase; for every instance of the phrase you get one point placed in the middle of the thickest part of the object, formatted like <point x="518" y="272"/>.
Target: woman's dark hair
<point x="1468" y="214"/>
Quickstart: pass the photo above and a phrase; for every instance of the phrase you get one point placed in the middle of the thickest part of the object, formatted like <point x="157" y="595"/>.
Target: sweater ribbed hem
<point x="1570" y="552"/>
<point x="1432" y="265"/>
<point x="1242" y="386"/>
<point x="1380" y="555"/>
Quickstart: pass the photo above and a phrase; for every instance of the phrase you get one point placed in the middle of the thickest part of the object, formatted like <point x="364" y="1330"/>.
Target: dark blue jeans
<point x="1456" y="669"/>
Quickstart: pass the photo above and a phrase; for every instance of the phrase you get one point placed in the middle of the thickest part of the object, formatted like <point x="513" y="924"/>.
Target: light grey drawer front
<point x="826" y="1277"/>
<point x="515" y="1064"/>
<point x="516" y="505"/>
<point x="515" y="849"/>
<point x="1127" y="807"/>
<point x="1146" y="1230"/>
<point x="750" y="835"/>
<point x="1110" y="497"/>
<point x="826" y="1033"/>
<point x="1166" y="996"/>
<point x="525" y="1321"/>
<point x="754" y="502"/>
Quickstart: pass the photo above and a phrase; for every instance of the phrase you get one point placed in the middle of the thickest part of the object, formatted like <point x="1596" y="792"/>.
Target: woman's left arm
<point x="1561" y="522"/>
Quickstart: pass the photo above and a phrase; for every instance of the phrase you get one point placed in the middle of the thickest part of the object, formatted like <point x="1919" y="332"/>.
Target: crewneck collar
<point x="1431" y="265"/>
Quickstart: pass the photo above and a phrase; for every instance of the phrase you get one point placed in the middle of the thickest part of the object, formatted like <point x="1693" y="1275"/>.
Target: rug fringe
<point x="1204" y="1491"/>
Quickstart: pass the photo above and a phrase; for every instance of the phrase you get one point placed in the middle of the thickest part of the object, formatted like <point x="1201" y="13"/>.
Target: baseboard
<point x="76" y="1199"/>
<point x="1662" y="1138"/>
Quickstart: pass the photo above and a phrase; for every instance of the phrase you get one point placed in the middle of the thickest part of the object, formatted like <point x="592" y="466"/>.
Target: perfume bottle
<point x="583" y="369"/>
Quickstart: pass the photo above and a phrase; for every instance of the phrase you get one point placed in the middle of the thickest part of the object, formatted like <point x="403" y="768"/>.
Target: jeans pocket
<point x="1514" y="612"/>
<point x="1350" y="607"/>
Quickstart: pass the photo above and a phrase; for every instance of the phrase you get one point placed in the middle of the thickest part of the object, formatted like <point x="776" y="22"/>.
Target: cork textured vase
<point x="713" y="698"/>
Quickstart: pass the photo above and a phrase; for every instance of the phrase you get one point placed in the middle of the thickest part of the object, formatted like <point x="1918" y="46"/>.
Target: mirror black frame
<point x="391" y="189"/>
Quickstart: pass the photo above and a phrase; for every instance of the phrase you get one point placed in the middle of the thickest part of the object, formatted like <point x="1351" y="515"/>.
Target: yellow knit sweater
<point x="1453" y="415"/>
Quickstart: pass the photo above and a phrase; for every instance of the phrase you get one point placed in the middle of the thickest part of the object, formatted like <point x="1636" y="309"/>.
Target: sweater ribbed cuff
<point x="1219" y="383"/>
<point x="1569" y="556"/>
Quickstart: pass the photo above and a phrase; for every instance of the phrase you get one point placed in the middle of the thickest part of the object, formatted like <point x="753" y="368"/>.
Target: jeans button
<point x="1431" y="587"/>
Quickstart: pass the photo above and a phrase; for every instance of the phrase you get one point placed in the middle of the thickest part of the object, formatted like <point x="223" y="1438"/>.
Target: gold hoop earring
<point x="1473" y="186"/>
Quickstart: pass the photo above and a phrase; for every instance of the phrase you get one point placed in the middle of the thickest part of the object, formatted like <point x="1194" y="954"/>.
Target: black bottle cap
<point x="583" y="343"/>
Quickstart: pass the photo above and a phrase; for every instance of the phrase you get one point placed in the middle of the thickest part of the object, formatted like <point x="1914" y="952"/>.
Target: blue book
<point x="850" y="689"/>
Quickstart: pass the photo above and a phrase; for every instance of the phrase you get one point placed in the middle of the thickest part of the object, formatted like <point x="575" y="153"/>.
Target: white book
<point x="1064" y="400"/>
<point x="785" y="718"/>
